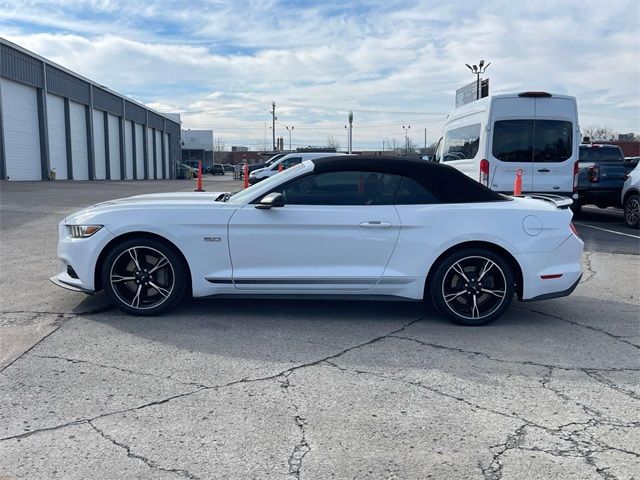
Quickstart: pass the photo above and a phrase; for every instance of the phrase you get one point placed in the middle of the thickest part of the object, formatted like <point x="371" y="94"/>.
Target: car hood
<point x="151" y="201"/>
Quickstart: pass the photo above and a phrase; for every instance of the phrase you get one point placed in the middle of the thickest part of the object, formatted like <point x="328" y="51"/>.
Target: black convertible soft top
<point x="444" y="182"/>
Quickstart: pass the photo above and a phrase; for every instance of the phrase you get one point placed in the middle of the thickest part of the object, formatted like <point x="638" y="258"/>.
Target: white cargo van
<point x="538" y="132"/>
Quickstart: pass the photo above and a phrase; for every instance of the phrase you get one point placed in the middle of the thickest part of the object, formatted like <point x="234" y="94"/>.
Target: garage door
<point x="21" y="133"/>
<point x="139" y="151"/>
<point x="166" y="155"/>
<point x="98" y="144"/>
<point x="150" y="151"/>
<point x="114" y="147"/>
<point x="79" y="150"/>
<point x="158" y="154"/>
<point x="57" y="136"/>
<point x="128" y="148"/>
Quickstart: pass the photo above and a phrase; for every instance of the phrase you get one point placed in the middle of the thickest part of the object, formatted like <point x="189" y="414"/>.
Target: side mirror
<point x="271" y="200"/>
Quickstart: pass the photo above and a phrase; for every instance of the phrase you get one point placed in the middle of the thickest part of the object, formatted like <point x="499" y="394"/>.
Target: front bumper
<point x="82" y="255"/>
<point x="565" y="260"/>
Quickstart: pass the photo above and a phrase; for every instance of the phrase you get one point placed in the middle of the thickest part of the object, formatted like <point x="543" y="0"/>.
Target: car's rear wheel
<point x="632" y="211"/>
<point x="473" y="286"/>
<point x="144" y="276"/>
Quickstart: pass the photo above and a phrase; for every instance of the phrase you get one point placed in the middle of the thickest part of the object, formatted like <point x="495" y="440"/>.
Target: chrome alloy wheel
<point x="474" y="287"/>
<point x="142" y="277"/>
<point x="632" y="211"/>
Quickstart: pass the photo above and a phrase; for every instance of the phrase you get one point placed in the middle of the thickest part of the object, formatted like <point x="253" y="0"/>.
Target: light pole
<point x="477" y="70"/>
<point x="350" y="131"/>
<point x="273" y="120"/>
<point x="290" y="130"/>
<point x="406" y="138"/>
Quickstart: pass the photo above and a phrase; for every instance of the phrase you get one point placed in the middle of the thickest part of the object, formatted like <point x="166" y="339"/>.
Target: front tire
<point x="472" y="286"/>
<point x="144" y="277"/>
<point x="632" y="211"/>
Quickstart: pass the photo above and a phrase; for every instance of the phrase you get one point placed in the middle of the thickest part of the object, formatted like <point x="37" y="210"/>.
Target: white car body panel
<point x="234" y="248"/>
<point x="632" y="183"/>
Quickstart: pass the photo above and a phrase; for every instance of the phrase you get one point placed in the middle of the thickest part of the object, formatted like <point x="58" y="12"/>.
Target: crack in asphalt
<point x="608" y="383"/>
<point x="580" y="449"/>
<point x="590" y="270"/>
<point x="620" y="338"/>
<point x="302" y="447"/>
<point x="121" y="369"/>
<point x="285" y="372"/>
<point x="150" y="463"/>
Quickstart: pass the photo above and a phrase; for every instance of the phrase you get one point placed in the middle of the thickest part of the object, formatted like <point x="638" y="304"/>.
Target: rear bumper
<point x="565" y="261"/>
<point x="610" y="196"/>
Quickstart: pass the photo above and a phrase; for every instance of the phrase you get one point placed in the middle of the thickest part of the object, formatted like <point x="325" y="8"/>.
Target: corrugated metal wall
<point x="44" y="125"/>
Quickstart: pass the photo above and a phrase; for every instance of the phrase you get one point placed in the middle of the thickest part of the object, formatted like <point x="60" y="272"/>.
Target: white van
<point x="538" y="132"/>
<point x="286" y="161"/>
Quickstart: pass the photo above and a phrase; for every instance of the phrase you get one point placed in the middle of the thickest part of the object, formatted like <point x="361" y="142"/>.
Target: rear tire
<point x="144" y="277"/>
<point x="472" y="286"/>
<point x="632" y="211"/>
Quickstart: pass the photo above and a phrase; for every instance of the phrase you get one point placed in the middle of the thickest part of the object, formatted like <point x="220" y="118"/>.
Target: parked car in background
<point x="228" y="167"/>
<point x="217" y="169"/>
<point x="535" y="132"/>
<point x="345" y="226"/>
<point x="630" y="198"/>
<point x="632" y="161"/>
<point x="185" y="172"/>
<point x="287" y="161"/>
<point x="601" y="174"/>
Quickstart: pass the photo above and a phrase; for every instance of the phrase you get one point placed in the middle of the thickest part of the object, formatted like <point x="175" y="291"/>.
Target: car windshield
<point x="248" y="193"/>
<point x="601" y="154"/>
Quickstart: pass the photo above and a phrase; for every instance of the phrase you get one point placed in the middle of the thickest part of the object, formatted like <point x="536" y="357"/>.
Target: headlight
<point x="82" y="231"/>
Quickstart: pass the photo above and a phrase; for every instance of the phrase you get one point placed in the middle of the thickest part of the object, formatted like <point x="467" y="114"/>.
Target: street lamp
<point x="406" y="138"/>
<point x="290" y="130"/>
<point x="477" y="70"/>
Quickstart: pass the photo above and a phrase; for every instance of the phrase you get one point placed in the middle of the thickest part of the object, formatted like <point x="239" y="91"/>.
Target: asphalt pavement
<point x="249" y="389"/>
<point x="604" y="230"/>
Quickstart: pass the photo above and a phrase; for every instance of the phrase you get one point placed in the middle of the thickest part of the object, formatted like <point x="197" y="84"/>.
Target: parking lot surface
<point x="266" y="389"/>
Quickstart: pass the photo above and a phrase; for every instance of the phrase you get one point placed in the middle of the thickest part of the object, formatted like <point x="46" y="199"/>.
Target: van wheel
<point x="473" y="286"/>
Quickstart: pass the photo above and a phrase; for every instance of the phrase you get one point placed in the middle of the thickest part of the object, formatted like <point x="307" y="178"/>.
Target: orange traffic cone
<point x="517" y="185"/>
<point x="245" y="174"/>
<point x="199" y="181"/>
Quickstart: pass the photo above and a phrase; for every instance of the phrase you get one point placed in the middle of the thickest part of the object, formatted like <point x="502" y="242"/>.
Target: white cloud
<point x="222" y="63"/>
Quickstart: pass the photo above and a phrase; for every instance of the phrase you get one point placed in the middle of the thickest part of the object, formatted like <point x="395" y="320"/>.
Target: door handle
<point x="544" y="170"/>
<point x="375" y="224"/>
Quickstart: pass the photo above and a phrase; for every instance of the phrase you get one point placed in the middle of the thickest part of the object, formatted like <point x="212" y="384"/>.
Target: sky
<point x="221" y="64"/>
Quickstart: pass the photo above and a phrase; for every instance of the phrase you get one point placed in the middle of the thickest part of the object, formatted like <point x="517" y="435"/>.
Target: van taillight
<point x="576" y="169"/>
<point x="484" y="172"/>
<point x="593" y="174"/>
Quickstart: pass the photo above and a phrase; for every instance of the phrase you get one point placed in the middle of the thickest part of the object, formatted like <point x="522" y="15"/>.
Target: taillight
<point x="484" y="172"/>
<point x="593" y="174"/>
<point x="573" y="229"/>
<point x="576" y="168"/>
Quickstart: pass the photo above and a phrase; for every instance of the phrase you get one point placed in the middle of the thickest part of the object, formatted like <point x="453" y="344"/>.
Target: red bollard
<point x="199" y="181"/>
<point x="280" y="168"/>
<point x="517" y="185"/>
<point x="245" y="174"/>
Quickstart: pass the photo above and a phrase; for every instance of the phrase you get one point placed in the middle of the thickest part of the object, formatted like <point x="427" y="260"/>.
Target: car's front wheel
<point x="473" y="286"/>
<point x="632" y="211"/>
<point x="144" y="276"/>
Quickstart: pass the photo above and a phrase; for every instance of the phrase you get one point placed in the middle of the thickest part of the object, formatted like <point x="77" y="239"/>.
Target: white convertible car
<point x="337" y="227"/>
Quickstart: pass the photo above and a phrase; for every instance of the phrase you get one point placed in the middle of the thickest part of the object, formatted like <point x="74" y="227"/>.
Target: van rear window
<point x="543" y="141"/>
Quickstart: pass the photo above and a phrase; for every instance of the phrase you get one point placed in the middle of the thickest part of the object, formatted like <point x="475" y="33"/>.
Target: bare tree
<point x="597" y="133"/>
<point x="333" y="142"/>
<point x="219" y="145"/>
<point x="410" y="146"/>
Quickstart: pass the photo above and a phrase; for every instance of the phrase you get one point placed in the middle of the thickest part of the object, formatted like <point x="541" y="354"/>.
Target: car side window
<point x="341" y="188"/>
<point x="411" y="192"/>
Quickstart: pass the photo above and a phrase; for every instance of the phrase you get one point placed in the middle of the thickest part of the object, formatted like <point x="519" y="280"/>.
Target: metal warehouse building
<point x="54" y="119"/>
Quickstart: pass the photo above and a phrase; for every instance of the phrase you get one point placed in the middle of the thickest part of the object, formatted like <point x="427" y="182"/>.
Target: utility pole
<point x="273" y="120"/>
<point x="290" y="130"/>
<point x="425" y="138"/>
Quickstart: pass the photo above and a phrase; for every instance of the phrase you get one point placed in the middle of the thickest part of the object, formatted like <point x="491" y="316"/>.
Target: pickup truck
<point x="601" y="173"/>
